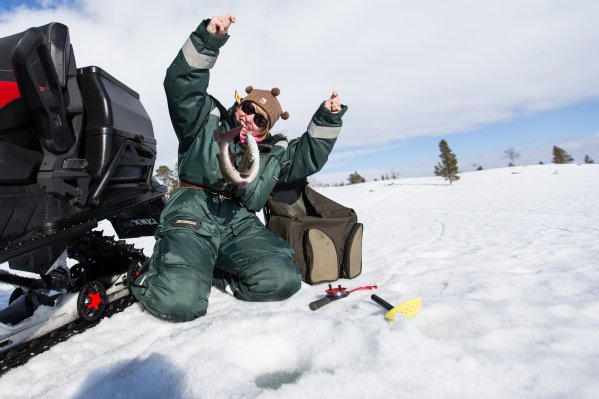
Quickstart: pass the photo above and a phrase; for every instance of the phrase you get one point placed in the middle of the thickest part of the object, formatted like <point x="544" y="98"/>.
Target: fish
<point x="250" y="161"/>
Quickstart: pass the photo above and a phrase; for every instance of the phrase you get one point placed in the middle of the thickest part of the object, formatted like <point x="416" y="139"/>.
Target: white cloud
<point x="362" y="151"/>
<point x="405" y="69"/>
<point x="579" y="143"/>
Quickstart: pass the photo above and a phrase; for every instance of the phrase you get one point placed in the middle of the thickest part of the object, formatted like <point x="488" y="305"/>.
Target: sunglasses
<point x="259" y="120"/>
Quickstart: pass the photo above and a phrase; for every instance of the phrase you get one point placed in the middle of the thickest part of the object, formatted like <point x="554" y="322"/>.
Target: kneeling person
<point x="209" y="233"/>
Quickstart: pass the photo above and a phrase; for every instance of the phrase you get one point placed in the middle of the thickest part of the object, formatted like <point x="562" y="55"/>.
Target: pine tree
<point x="561" y="156"/>
<point x="448" y="167"/>
<point x="588" y="159"/>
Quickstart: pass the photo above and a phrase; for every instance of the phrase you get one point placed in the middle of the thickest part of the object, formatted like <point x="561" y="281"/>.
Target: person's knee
<point x="174" y="293"/>
<point x="273" y="281"/>
<point x="289" y="282"/>
<point x="178" y="277"/>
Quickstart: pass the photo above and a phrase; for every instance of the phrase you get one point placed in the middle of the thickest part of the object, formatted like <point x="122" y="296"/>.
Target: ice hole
<point x="276" y="379"/>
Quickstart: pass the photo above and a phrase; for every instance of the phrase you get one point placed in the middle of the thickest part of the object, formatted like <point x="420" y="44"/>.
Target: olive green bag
<point x="325" y="235"/>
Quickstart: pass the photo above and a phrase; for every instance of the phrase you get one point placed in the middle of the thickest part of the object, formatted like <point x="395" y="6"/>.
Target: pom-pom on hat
<point x="267" y="100"/>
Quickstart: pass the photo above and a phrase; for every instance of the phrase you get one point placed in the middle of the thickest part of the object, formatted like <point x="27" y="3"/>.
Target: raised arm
<point x="187" y="77"/>
<point x="308" y="153"/>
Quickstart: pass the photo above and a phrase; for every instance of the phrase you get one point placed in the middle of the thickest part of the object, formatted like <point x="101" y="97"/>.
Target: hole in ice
<point x="276" y="379"/>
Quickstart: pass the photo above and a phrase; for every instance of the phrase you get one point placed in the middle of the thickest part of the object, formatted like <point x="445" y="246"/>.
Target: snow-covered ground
<point x="507" y="263"/>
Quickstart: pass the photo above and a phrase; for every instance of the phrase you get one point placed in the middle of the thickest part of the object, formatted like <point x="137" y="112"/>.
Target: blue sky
<point x="575" y="128"/>
<point x="485" y="76"/>
<point x="9" y="5"/>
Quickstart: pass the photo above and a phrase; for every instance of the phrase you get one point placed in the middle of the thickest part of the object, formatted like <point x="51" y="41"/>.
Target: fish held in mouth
<point x="250" y="161"/>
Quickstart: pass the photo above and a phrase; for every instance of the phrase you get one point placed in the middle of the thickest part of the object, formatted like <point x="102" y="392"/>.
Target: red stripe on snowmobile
<point x="9" y="91"/>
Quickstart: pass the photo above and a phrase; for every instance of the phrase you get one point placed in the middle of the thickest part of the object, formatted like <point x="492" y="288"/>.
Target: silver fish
<point x="250" y="161"/>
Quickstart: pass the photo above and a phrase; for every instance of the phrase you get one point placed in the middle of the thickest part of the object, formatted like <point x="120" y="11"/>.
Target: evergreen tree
<point x="355" y="178"/>
<point x="448" y="167"/>
<point x="561" y="156"/>
<point x="588" y="159"/>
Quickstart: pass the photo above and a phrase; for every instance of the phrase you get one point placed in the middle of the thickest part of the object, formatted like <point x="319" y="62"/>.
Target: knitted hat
<point x="268" y="102"/>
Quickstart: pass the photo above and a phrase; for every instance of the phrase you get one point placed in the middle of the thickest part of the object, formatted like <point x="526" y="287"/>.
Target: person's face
<point x="252" y="118"/>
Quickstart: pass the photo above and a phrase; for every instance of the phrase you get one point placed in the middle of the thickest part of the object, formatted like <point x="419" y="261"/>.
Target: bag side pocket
<point x="321" y="257"/>
<point x="352" y="255"/>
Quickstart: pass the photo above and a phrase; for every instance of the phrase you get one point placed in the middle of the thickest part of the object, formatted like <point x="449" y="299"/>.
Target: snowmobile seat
<point x="20" y="154"/>
<point x="40" y="104"/>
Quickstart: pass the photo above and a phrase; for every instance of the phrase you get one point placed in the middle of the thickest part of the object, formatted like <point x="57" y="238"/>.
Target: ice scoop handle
<point x="381" y="301"/>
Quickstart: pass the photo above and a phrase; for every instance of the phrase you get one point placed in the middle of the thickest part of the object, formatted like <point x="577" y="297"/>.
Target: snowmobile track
<point x="90" y="249"/>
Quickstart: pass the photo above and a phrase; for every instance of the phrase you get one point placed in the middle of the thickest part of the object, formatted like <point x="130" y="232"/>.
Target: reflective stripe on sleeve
<point x="323" y="132"/>
<point x="195" y="59"/>
<point x="215" y="112"/>
<point x="283" y="144"/>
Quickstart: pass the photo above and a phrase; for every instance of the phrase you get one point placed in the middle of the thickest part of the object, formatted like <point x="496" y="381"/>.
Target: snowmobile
<point x="76" y="148"/>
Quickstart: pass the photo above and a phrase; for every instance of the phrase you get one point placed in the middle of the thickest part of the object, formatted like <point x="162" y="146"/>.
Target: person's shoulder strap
<point x="272" y="139"/>
<point x="224" y="113"/>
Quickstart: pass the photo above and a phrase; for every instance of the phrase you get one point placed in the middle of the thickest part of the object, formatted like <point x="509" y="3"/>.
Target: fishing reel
<point x="334" y="293"/>
<point x="337" y="292"/>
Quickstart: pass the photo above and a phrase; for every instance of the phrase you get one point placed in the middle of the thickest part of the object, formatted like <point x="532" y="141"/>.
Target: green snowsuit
<point x="206" y="239"/>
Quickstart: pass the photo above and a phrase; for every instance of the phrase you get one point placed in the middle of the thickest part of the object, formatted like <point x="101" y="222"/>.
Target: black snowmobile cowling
<point x="76" y="147"/>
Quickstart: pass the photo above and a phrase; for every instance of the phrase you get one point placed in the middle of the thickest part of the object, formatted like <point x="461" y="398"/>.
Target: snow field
<point x="506" y="263"/>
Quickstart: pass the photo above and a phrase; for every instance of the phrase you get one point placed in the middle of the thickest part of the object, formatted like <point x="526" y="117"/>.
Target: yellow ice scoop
<point x="409" y="308"/>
